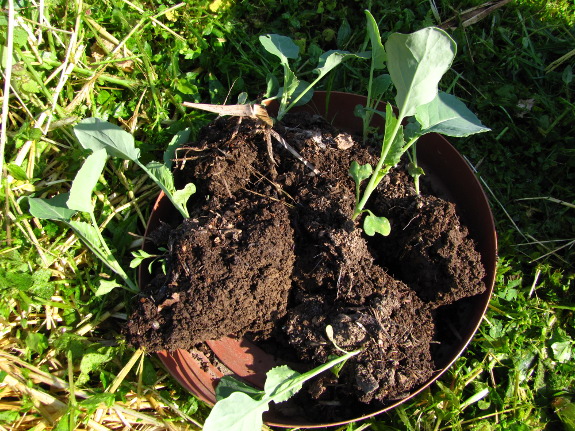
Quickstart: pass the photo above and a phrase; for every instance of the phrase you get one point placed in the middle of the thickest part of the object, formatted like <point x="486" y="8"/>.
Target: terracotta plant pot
<point x="450" y="175"/>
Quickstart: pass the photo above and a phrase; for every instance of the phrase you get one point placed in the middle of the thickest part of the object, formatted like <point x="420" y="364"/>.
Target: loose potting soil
<point x="270" y="253"/>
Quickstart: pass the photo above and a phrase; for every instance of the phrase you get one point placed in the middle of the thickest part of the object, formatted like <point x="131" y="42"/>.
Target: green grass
<point x="63" y="361"/>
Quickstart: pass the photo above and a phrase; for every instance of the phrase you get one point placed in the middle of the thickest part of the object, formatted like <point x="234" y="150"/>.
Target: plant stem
<point x="109" y="258"/>
<point x="303" y="93"/>
<point x="367" y="114"/>
<point x="377" y="175"/>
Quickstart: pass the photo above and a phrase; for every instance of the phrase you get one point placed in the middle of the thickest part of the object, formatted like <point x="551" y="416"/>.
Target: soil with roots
<point x="270" y="253"/>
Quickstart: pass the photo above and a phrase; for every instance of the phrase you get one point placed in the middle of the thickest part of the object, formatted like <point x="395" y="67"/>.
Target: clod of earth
<point x="272" y="254"/>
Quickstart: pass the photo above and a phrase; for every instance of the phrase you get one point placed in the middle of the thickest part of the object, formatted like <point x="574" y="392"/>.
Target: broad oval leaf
<point x="238" y="412"/>
<point x="95" y="134"/>
<point x="373" y="224"/>
<point x="228" y="385"/>
<point x="86" y="179"/>
<point x="282" y="47"/>
<point x="279" y="381"/>
<point x="378" y="55"/>
<point x="448" y="115"/>
<point x="51" y="209"/>
<point x="416" y="63"/>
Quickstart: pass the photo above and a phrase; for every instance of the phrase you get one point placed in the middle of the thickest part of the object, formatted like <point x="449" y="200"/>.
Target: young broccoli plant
<point x="416" y="62"/>
<point x="295" y="91"/>
<point x="64" y="206"/>
<point x="240" y="407"/>
<point x="105" y="139"/>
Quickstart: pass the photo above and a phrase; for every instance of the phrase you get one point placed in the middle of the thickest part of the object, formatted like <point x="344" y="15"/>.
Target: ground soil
<point x="270" y="253"/>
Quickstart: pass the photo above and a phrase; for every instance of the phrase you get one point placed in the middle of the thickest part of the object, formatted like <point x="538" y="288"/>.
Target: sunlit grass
<point x="63" y="361"/>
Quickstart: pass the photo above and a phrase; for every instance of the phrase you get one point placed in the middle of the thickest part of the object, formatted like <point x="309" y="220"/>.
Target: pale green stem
<point x="303" y="93"/>
<point x="294" y="384"/>
<point x="181" y="208"/>
<point x="375" y="178"/>
<point x="109" y="258"/>
<point x="367" y="115"/>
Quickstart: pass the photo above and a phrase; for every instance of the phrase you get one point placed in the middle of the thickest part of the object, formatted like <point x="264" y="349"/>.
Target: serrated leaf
<point x="378" y="55"/>
<point x="448" y="115"/>
<point x="92" y="361"/>
<point x="373" y="224"/>
<point x="392" y="150"/>
<point x="86" y="179"/>
<point x="95" y="134"/>
<point x="416" y="63"/>
<point x="228" y="385"/>
<point x="277" y="381"/>
<point x="237" y="412"/>
<point x="562" y="351"/>
<point x="94" y="401"/>
<point x="52" y="209"/>
<point x="282" y="47"/>
<point x="414" y="171"/>
<point x="161" y="176"/>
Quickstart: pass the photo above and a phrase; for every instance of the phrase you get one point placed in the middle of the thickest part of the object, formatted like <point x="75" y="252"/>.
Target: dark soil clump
<point x="270" y="253"/>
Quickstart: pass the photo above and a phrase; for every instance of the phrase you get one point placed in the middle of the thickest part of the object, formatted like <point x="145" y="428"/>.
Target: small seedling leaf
<point x="360" y="172"/>
<point x="416" y="63"/>
<point x="448" y="115"/>
<point x="373" y="224"/>
<point x="106" y="286"/>
<point x="181" y="196"/>
<point x="336" y="369"/>
<point x="415" y="170"/>
<point x="238" y="412"/>
<point x="86" y="179"/>
<point x="378" y="55"/>
<point x="282" y="47"/>
<point x="228" y="385"/>
<point x="277" y="382"/>
<point x="138" y="257"/>
<point x="52" y="209"/>
<point x="95" y="134"/>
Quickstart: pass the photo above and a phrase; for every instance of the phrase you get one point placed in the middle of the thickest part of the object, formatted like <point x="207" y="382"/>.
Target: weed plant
<point x="63" y="362"/>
